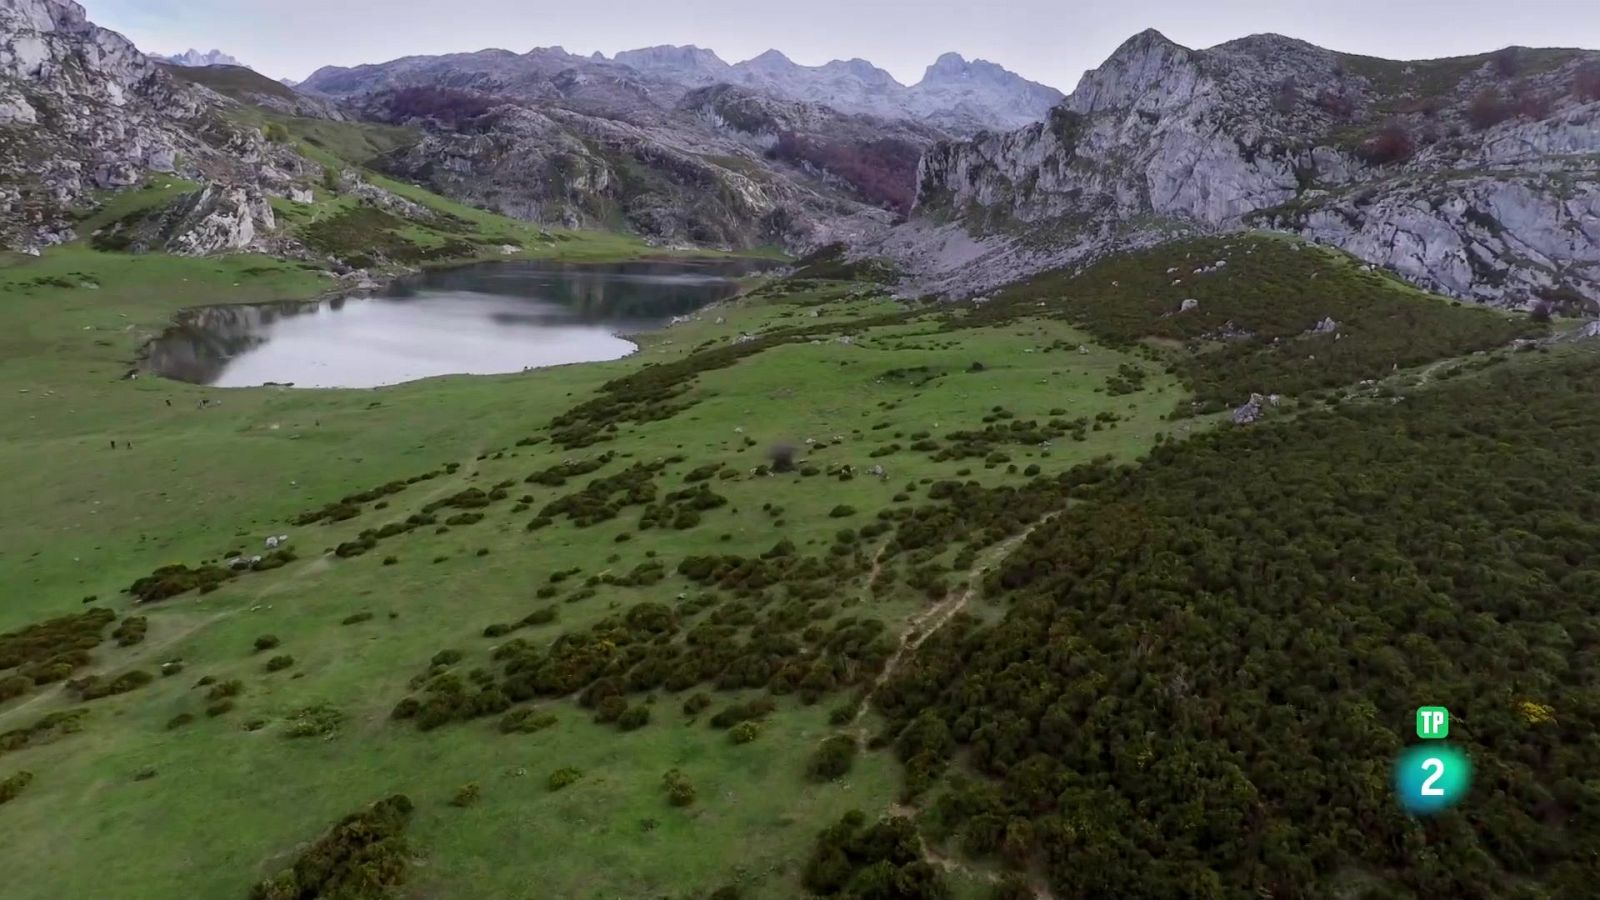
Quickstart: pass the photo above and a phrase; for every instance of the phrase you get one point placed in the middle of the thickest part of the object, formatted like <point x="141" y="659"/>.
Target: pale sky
<point x="1052" y="41"/>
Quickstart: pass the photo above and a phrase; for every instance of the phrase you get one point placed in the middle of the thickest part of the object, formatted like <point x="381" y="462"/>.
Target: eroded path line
<point x="928" y="622"/>
<point x="917" y="631"/>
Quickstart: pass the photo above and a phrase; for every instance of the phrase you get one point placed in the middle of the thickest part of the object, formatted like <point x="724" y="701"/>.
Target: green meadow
<point x="213" y="805"/>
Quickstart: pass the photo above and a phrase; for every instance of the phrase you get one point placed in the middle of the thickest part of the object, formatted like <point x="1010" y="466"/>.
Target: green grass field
<point x="229" y="806"/>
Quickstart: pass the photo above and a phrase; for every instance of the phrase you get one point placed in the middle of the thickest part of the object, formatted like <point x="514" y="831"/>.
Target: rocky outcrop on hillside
<point x="214" y="219"/>
<point x="1471" y="176"/>
<point x="82" y="110"/>
<point x="673" y="183"/>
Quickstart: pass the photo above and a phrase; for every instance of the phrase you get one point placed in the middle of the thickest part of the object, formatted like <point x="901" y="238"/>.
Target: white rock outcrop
<point x="1162" y="140"/>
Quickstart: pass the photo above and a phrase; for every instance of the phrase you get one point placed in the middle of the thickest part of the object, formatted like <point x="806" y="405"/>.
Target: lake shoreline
<point x="640" y="296"/>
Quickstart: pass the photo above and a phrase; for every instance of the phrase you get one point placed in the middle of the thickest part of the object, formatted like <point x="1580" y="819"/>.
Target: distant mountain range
<point x="192" y="57"/>
<point x="954" y="94"/>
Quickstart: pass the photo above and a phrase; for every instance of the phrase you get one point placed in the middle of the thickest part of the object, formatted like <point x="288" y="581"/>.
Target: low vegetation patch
<point x="363" y="857"/>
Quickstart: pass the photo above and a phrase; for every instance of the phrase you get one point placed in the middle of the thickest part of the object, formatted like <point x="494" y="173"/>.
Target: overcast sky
<point x="1052" y="41"/>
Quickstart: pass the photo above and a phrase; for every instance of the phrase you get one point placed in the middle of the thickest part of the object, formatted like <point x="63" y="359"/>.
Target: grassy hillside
<point x="621" y="629"/>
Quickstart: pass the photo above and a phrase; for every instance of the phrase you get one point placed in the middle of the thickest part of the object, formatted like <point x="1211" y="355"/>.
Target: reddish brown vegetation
<point x="1507" y="62"/>
<point x="1534" y="105"/>
<point x="883" y="171"/>
<point x="1392" y="144"/>
<point x="1489" y="109"/>
<point x="1586" y="82"/>
<point x="447" y="106"/>
<point x="1337" y="104"/>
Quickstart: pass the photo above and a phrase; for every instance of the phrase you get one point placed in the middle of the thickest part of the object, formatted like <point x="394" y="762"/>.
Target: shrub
<point x="1586" y="82"/>
<point x="696" y="704"/>
<point x="634" y="718"/>
<point x="279" y="663"/>
<point x="357" y="618"/>
<point x="680" y="791"/>
<point x="363" y="856"/>
<point x="610" y="708"/>
<point x="561" y="778"/>
<point x="1507" y="62"/>
<point x="1336" y="104"/>
<point x="406" y="709"/>
<point x="1392" y="144"/>
<point x="11" y="787"/>
<point x="14" y="686"/>
<point x="466" y="795"/>
<point x="744" y="732"/>
<point x="841" y="511"/>
<point x="1535" y="105"/>
<point x="320" y="720"/>
<point x="1488" y="109"/>
<point x="233" y="687"/>
<point x="266" y="642"/>
<point x="179" y="720"/>
<point x="525" y="721"/>
<point x="220" y="708"/>
<point x="833" y="758"/>
<point x="94" y="687"/>
<point x="131" y="631"/>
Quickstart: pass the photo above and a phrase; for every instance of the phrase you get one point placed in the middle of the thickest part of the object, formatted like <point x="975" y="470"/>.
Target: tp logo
<point x="1431" y="777"/>
<point x="1433" y="723"/>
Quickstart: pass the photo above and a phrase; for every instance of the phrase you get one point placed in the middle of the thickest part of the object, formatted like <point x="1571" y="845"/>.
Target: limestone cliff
<point x="1474" y="176"/>
<point x="83" y="111"/>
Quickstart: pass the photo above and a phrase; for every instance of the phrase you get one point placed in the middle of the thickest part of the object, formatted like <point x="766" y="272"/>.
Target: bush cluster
<point x="853" y="860"/>
<point x="363" y="857"/>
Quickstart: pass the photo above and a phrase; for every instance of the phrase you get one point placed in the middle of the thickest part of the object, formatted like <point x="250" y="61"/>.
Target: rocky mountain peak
<point x="689" y="64"/>
<point x="772" y="56"/>
<point x="1465" y="175"/>
<point x="1144" y="64"/>
<point x="948" y="65"/>
<point x="196" y="58"/>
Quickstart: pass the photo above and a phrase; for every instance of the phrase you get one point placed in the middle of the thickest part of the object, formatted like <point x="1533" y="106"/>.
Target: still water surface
<point x="475" y="320"/>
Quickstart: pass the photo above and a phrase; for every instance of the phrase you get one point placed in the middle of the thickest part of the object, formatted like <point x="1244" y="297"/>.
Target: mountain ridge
<point x="1465" y="175"/>
<point x="955" y="93"/>
<point x="193" y="57"/>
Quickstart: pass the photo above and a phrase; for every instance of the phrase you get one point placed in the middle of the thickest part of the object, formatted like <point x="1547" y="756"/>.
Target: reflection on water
<point x="475" y="320"/>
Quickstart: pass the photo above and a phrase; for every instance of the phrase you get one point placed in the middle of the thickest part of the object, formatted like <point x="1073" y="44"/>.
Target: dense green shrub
<point x="266" y="642"/>
<point x="361" y="858"/>
<point x="94" y="687"/>
<point x="467" y="795"/>
<point x="170" y="581"/>
<point x="1256" y="602"/>
<point x="633" y="718"/>
<point x="279" y="663"/>
<point x="680" y="791"/>
<point x="13" y="785"/>
<point x="131" y="631"/>
<point x="833" y="758"/>
<point x="525" y="721"/>
<point x="43" y="730"/>
<point x="561" y="778"/>
<point x="881" y="860"/>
